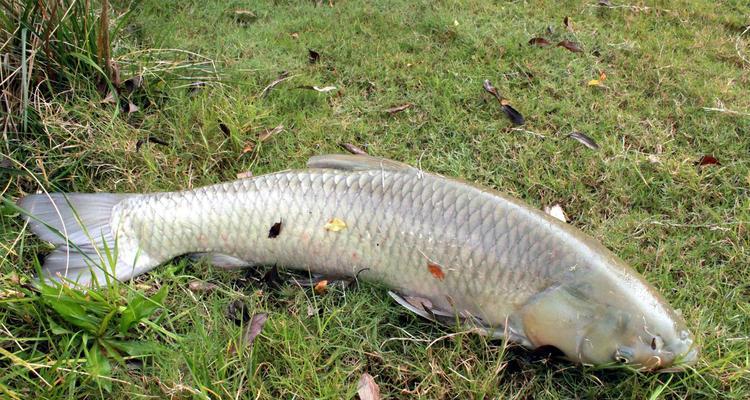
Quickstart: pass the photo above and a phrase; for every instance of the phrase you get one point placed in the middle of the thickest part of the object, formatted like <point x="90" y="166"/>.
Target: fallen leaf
<point x="295" y="35"/>
<point x="572" y="46"/>
<point x="245" y="175"/>
<point x="244" y="16"/>
<point x="270" y="132"/>
<point x="254" y="328"/>
<point x="605" y="3"/>
<point x="282" y="77"/>
<point x="707" y="160"/>
<point x="568" y="23"/>
<point x="313" y="56"/>
<point x="248" y="148"/>
<point x="110" y="99"/>
<point x="149" y="139"/>
<point x="202" y="287"/>
<point x="653" y="159"/>
<point x="353" y="149"/>
<point x="540" y="41"/>
<point x="557" y="212"/>
<point x="275" y="230"/>
<point x="321" y="287"/>
<point x="133" y="83"/>
<point x="367" y="389"/>
<point x="237" y="312"/>
<point x="398" y="109"/>
<point x="600" y="81"/>
<point x="436" y="271"/>
<point x="224" y="128"/>
<point x="132" y="107"/>
<point x="195" y="87"/>
<point x="324" y="89"/>
<point x="513" y="114"/>
<point x="585" y="140"/>
<point x="335" y="225"/>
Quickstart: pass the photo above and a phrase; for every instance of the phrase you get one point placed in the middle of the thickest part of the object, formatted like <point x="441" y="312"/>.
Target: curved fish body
<point x="460" y="249"/>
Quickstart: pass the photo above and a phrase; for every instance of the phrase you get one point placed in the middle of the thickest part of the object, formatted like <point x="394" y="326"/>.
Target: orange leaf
<point x="436" y="271"/>
<point x="321" y="287"/>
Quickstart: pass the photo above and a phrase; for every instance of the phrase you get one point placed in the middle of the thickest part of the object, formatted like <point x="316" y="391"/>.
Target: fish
<point x="448" y="250"/>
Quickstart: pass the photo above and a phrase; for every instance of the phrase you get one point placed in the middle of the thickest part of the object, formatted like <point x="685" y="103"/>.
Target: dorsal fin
<point x="356" y="162"/>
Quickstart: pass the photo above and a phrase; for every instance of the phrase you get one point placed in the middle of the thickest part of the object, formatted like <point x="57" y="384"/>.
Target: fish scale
<point x="462" y="249"/>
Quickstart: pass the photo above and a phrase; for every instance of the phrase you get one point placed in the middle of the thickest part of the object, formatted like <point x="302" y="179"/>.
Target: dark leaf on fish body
<point x="707" y="159"/>
<point x="571" y="46"/>
<point x="398" y="109"/>
<point x="254" y="328"/>
<point x="436" y="271"/>
<point x="540" y="41"/>
<point x="237" y="312"/>
<point x="275" y="230"/>
<point x="353" y="149"/>
<point x="367" y="389"/>
<point x="225" y="129"/>
<point x="585" y="140"/>
<point x="313" y="56"/>
<point x="515" y="117"/>
<point x="149" y="139"/>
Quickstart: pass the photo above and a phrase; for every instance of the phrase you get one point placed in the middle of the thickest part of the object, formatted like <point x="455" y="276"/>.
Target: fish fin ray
<point x="79" y="225"/>
<point x="221" y="260"/>
<point x="356" y="162"/>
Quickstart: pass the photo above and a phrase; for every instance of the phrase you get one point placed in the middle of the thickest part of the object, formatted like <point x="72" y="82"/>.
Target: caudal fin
<point x="78" y="224"/>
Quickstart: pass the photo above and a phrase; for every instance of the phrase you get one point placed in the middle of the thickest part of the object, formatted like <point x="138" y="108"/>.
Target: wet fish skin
<point x="499" y="259"/>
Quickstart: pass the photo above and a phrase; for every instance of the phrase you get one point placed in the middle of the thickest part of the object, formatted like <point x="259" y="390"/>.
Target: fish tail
<point x="79" y="225"/>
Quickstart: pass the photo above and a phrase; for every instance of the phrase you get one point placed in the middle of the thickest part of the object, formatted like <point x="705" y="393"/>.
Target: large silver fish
<point x="449" y="250"/>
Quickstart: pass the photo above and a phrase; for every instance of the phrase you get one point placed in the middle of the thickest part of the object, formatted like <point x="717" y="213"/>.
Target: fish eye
<point x="623" y="355"/>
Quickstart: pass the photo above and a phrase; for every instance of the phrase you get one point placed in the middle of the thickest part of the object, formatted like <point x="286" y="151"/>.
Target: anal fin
<point x="221" y="260"/>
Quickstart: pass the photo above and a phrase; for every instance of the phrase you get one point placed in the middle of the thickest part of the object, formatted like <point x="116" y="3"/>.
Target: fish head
<point x="595" y="319"/>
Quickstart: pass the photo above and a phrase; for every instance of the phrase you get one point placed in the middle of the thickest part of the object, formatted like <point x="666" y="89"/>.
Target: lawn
<point x="661" y="86"/>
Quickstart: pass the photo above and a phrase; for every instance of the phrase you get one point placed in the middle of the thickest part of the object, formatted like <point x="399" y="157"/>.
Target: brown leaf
<point x="571" y="46"/>
<point x="353" y="149"/>
<point x="568" y="23"/>
<point x="282" y="77"/>
<point x="436" y="271"/>
<point x="321" y="287"/>
<point x="492" y="90"/>
<point x="605" y="3"/>
<point x="224" y="128"/>
<point x="133" y="83"/>
<point x="110" y="99"/>
<point x="254" y="328"/>
<point x="295" y="35"/>
<point x="149" y="139"/>
<point x="707" y="160"/>
<point x="270" y="132"/>
<point x="275" y="230"/>
<point x="367" y="389"/>
<point x="248" y="148"/>
<point x="585" y="140"/>
<point x="237" y="312"/>
<point x="202" y="287"/>
<point x="515" y="117"/>
<point x="245" y="175"/>
<point x="540" y="41"/>
<point x="313" y="56"/>
<point x="398" y="109"/>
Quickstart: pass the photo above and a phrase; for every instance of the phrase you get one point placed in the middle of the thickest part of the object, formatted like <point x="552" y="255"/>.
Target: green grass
<point x="684" y="227"/>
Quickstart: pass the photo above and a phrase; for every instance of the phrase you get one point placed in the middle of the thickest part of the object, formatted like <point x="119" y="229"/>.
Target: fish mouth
<point x="684" y="362"/>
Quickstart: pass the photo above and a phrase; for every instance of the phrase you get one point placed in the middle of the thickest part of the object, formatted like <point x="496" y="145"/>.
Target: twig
<point x="726" y="111"/>
<point x="273" y="84"/>
<point x="737" y="45"/>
